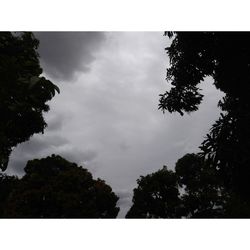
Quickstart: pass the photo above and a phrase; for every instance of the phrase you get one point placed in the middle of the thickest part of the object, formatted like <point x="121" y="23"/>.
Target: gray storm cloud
<point x="108" y="119"/>
<point x="63" y="54"/>
<point x="40" y="146"/>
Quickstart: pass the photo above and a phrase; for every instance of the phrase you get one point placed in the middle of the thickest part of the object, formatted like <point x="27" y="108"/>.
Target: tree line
<point x="212" y="183"/>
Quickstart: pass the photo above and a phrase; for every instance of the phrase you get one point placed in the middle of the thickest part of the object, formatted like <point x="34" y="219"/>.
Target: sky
<point x="106" y="116"/>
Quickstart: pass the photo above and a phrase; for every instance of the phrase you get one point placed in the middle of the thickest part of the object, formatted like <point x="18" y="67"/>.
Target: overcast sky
<point x="106" y="117"/>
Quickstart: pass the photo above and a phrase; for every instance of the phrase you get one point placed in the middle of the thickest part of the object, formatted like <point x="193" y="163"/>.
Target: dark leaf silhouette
<point x="156" y="196"/>
<point x="55" y="188"/>
<point x="193" y="190"/>
<point x="23" y="92"/>
<point x="225" y="56"/>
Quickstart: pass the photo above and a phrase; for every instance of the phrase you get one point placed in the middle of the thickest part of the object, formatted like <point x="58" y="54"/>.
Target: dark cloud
<point x="65" y="53"/>
<point x="124" y="146"/>
<point x="55" y="123"/>
<point x="41" y="143"/>
<point x="109" y="117"/>
<point x="40" y="146"/>
<point x="78" y="156"/>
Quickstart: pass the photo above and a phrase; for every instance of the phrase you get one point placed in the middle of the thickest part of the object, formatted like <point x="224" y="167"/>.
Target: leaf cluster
<point x="55" y="188"/>
<point x="224" y="56"/>
<point x="23" y="91"/>
<point x="193" y="190"/>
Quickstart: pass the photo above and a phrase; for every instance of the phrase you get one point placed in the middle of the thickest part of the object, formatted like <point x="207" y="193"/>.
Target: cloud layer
<point x="107" y="118"/>
<point x="64" y="54"/>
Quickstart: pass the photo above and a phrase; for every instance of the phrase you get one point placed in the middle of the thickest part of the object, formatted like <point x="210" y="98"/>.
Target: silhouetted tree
<point x="55" y="188"/>
<point x="7" y="185"/>
<point x="226" y="58"/>
<point x="193" y="190"/>
<point x="156" y="196"/>
<point x="23" y="92"/>
<point x="202" y="193"/>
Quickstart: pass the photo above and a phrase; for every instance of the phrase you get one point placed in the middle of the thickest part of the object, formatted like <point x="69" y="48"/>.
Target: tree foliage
<point x="157" y="196"/>
<point x="196" y="55"/>
<point x="226" y="58"/>
<point x="23" y="91"/>
<point x="55" y="188"/>
<point x="7" y="184"/>
<point x="193" y="190"/>
<point x="201" y="189"/>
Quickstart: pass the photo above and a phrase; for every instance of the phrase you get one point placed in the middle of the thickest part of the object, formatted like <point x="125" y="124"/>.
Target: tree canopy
<point x="55" y="188"/>
<point x="23" y="91"/>
<point x="157" y="196"/>
<point x="225" y="56"/>
<point x="193" y="190"/>
<point x="7" y="184"/>
<point x="200" y="187"/>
